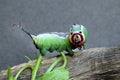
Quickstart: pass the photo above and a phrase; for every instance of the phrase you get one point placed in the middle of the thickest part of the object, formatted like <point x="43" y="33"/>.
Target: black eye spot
<point x="71" y="33"/>
<point x="80" y="32"/>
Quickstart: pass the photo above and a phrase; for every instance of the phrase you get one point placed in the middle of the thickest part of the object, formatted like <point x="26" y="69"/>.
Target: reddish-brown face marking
<point x="76" y="38"/>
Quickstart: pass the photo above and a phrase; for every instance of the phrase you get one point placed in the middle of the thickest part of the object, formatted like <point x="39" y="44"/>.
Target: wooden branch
<point x="92" y="64"/>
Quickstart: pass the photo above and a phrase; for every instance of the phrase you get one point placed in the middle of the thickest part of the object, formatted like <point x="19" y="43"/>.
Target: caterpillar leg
<point x="43" y="51"/>
<point x="80" y="48"/>
<point x="71" y="53"/>
<point x="83" y="47"/>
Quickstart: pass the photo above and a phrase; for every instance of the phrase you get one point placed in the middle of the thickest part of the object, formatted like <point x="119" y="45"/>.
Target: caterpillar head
<point x="76" y="36"/>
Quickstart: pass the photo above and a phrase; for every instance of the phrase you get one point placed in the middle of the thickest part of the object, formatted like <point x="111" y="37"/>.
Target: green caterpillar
<point x="75" y="38"/>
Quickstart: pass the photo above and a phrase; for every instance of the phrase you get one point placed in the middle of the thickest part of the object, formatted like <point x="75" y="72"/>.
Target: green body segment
<point x="50" y="42"/>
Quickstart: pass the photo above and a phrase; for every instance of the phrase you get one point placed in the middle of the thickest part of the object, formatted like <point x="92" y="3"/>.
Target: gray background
<point x="101" y="18"/>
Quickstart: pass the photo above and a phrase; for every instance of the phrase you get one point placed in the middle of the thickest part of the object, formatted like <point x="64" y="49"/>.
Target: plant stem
<point x="21" y="70"/>
<point x="36" y="67"/>
<point x="64" y="58"/>
<point x="54" y="64"/>
<point x="27" y="58"/>
<point x="57" y="61"/>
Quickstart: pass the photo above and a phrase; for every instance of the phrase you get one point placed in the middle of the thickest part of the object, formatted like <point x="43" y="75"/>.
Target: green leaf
<point x="57" y="74"/>
<point x="9" y="74"/>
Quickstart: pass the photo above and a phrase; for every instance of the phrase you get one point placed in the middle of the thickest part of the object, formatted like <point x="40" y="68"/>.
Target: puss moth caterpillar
<point x="75" y="38"/>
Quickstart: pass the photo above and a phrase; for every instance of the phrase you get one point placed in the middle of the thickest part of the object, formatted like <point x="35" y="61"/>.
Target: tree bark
<point x="91" y="64"/>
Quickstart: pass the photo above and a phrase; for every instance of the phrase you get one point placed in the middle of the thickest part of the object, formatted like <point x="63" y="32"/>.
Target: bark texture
<point x="91" y="64"/>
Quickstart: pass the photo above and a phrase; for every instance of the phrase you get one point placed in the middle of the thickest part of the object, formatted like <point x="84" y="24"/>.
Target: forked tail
<point x="22" y="28"/>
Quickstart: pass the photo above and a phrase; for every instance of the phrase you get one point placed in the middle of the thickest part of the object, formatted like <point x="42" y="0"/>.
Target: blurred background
<point x="100" y="17"/>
